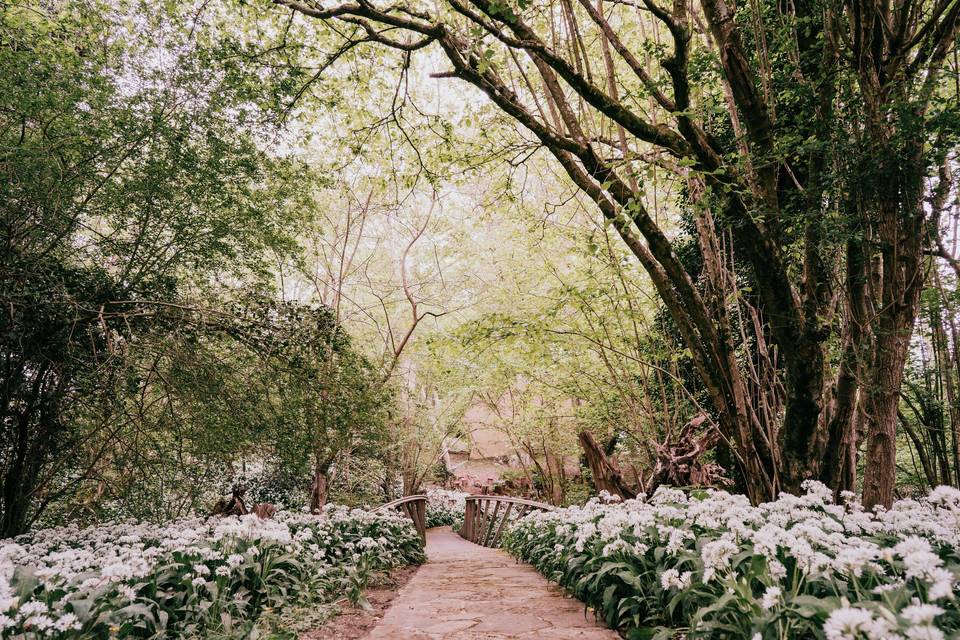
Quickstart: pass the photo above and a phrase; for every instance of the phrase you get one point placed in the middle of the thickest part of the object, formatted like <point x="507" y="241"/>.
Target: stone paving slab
<point x="469" y="592"/>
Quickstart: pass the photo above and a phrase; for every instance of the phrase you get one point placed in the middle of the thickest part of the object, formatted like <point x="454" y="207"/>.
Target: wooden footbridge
<point x="485" y="518"/>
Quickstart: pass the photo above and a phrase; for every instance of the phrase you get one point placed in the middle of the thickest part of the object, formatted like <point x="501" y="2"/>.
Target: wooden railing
<point x="414" y="507"/>
<point x="486" y="517"/>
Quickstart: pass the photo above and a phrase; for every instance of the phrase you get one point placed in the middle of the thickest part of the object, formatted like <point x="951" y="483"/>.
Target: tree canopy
<point x="288" y="247"/>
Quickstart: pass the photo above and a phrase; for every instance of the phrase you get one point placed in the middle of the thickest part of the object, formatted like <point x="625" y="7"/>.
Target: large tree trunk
<point x="15" y="503"/>
<point x="883" y="398"/>
<point x="606" y="474"/>
<point x="319" y="488"/>
<point x="881" y="404"/>
<point x="557" y="479"/>
<point x="900" y="234"/>
<point x="839" y="471"/>
<point x="411" y="483"/>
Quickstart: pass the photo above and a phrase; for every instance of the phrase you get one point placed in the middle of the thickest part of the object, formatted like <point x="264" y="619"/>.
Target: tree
<point x="368" y="256"/>
<point x="809" y="134"/>
<point x="123" y="185"/>
<point x="928" y="408"/>
<point x="567" y="346"/>
<point x="319" y="398"/>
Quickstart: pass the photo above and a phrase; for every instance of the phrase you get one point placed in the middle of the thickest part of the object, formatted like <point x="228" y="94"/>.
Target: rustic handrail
<point x="486" y="517"/>
<point x="414" y="507"/>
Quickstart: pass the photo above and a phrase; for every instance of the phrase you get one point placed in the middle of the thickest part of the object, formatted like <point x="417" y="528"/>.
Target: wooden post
<point x="422" y="518"/>
<point x="467" y="530"/>
<point x="493" y="525"/>
<point x="503" y="525"/>
<point x="478" y="533"/>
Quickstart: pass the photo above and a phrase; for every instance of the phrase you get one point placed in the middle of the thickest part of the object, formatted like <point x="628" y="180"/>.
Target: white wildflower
<point x="921" y="613"/>
<point x="39" y="621"/>
<point x="673" y="579"/>
<point x="846" y="623"/>
<point x="716" y="555"/>
<point x="67" y="622"/>
<point x="771" y="597"/>
<point x="33" y="606"/>
<point x="924" y="632"/>
<point x="128" y="592"/>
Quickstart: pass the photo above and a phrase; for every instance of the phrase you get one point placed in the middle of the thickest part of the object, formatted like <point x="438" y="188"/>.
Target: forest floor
<point x="469" y="592"/>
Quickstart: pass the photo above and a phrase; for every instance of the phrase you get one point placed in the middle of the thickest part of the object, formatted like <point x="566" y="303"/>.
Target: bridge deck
<point x="469" y="592"/>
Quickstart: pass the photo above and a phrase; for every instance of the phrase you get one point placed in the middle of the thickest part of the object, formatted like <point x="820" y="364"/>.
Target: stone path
<point x="469" y="592"/>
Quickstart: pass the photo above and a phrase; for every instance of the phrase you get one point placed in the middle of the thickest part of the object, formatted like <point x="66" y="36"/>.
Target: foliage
<point x="317" y="397"/>
<point x="929" y="416"/>
<point x="126" y="185"/>
<point x="146" y="354"/>
<point x="193" y="577"/>
<point x="810" y="149"/>
<point x="566" y="341"/>
<point x="709" y="564"/>
<point x="270" y="481"/>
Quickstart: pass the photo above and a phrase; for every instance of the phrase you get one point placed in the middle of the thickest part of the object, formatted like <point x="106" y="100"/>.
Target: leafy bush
<point x="445" y="508"/>
<point x="710" y="565"/>
<point x="193" y="577"/>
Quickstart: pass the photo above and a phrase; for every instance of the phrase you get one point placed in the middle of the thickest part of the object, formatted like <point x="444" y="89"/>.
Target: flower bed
<point x="445" y="508"/>
<point x="192" y="577"/>
<point x="710" y="565"/>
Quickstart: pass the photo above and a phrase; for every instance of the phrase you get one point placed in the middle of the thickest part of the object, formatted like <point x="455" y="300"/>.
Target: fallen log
<point x="677" y="462"/>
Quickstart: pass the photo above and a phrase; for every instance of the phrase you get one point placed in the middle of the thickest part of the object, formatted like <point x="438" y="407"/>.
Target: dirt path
<point x="469" y="592"/>
<point x="351" y="623"/>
